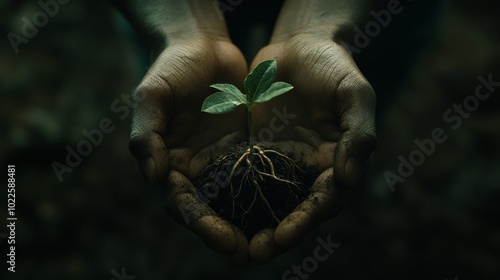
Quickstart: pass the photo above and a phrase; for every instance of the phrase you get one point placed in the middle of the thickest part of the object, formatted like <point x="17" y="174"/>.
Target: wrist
<point x="321" y="19"/>
<point x="192" y="19"/>
<point x="165" y="22"/>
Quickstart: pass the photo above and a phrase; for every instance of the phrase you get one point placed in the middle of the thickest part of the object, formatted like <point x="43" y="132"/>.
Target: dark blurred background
<point x="102" y="219"/>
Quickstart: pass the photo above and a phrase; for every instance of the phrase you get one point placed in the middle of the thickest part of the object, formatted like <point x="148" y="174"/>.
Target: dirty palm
<point x="263" y="185"/>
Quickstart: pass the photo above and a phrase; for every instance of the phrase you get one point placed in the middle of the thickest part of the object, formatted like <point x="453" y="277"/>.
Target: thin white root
<point x="252" y="171"/>
<point x="266" y="203"/>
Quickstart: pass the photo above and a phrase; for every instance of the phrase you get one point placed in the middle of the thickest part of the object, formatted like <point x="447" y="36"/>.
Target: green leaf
<point x="260" y="79"/>
<point x="231" y="90"/>
<point x="221" y="103"/>
<point x="276" y="89"/>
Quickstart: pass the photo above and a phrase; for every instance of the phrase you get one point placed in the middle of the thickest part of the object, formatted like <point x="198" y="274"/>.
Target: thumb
<point x="147" y="135"/>
<point x="358" y="139"/>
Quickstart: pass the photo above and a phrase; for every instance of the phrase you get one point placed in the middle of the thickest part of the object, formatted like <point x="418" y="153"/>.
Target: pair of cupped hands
<point x="326" y="121"/>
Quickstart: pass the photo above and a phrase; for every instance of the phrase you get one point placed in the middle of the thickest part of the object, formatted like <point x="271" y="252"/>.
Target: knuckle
<point x="151" y="87"/>
<point x="355" y="81"/>
<point x="140" y="94"/>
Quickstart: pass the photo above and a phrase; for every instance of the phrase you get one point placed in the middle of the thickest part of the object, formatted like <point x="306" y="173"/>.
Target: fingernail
<point x="352" y="170"/>
<point x="148" y="165"/>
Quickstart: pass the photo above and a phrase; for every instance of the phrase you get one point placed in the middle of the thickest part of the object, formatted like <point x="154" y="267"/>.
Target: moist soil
<point x="240" y="202"/>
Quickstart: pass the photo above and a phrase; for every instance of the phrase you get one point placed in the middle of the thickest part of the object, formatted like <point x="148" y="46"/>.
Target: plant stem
<point x="250" y="131"/>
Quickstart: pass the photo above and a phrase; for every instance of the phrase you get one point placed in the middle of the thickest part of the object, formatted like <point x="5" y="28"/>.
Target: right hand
<point x="174" y="140"/>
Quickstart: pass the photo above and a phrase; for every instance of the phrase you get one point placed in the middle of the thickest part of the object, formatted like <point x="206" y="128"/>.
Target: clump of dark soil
<point x="254" y="193"/>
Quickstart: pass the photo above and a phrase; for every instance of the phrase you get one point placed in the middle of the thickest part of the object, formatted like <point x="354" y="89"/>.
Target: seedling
<point x="259" y="88"/>
<point x="260" y="165"/>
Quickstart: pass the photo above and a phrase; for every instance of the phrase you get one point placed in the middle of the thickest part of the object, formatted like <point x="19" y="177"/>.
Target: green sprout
<point x="269" y="164"/>
<point x="259" y="86"/>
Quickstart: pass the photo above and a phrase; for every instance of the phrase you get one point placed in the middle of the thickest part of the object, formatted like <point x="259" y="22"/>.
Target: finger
<point x="184" y="205"/>
<point x="358" y="139"/>
<point x="147" y="135"/>
<point x="323" y="203"/>
<point x="240" y="256"/>
<point x="263" y="247"/>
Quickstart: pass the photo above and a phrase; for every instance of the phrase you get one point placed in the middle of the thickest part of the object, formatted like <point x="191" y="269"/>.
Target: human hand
<point x="174" y="140"/>
<point x="331" y="127"/>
